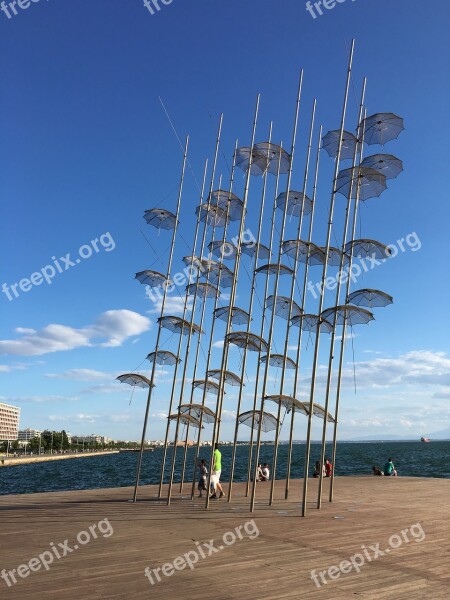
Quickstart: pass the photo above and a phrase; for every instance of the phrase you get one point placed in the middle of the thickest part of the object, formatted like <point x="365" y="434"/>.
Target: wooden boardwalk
<point x="275" y="564"/>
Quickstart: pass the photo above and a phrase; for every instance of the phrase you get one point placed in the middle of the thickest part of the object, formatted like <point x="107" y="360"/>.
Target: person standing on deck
<point x="215" y="473"/>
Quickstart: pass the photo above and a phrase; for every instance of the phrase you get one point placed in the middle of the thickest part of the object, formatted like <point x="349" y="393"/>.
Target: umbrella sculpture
<point x="280" y="360"/>
<point x="159" y="218"/>
<point x="382" y="128"/>
<point x="238" y="315"/>
<point x="163" y="357"/>
<point x="387" y="164"/>
<point x="251" y="418"/>
<point x="331" y="143"/>
<point x="297" y="203"/>
<point x="223" y="209"/>
<point x="370" y="298"/>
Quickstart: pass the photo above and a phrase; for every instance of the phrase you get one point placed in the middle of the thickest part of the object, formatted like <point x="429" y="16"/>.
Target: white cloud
<point x="36" y="399"/>
<point x="111" y="329"/>
<point x="9" y="368"/>
<point x="172" y="306"/>
<point x="81" y="375"/>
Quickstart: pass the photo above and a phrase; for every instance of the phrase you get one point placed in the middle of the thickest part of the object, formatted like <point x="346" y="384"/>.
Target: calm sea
<point x="412" y="459"/>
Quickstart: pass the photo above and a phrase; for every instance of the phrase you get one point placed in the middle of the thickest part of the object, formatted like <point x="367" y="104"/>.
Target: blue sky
<point x="86" y="148"/>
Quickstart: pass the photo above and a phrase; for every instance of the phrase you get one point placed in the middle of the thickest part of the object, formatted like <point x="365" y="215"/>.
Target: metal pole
<point x="172" y="470"/>
<point x="341" y="356"/>
<point x="169" y="267"/>
<point x="338" y="293"/>
<point x="324" y="274"/>
<point x="183" y="380"/>
<point x="275" y="291"/>
<point x="263" y="322"/>
<point x="302" y="308"/>
<point x="252" y="293"/>
<point x="216" y="151"/>
<point x="218" y="411"/>
<point x="294" y="280"/>
<point x="210" y="346"/>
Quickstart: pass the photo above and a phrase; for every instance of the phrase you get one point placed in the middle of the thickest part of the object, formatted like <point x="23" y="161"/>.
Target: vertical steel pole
<point x="294" y="280"/>
<point x="324" y="275"/>
<point x="250" y="310"/>
<point x="341" y="356"/>
<point x="169" y="267"/>
<point x="302" y="308"/>
<point x="223" y="367"/>
<point x="166" y="438"/>
<point x="277" y="277"/>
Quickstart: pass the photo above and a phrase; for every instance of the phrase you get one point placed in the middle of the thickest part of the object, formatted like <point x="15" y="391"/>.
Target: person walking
<point x="215" y="473"/>
<point x="203" y="472"/>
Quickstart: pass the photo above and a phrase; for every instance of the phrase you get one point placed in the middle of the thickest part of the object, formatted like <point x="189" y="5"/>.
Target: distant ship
<point x="424" y="439"/>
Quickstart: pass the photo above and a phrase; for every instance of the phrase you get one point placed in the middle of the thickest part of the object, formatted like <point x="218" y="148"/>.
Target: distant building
<point x="91" y="439"/>
<point x="9" y="422"/>
<point x="25" y="435"/>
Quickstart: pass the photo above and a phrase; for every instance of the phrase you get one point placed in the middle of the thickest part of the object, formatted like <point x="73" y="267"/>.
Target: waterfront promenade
<point x="11" y="461"/>
<point x="273" y="561"/>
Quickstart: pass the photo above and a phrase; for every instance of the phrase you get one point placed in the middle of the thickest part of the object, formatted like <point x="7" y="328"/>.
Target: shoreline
<point x="13" y="462"/>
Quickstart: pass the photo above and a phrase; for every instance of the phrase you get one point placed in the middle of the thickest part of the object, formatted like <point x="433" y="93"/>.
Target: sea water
<point x="411" y="459"/>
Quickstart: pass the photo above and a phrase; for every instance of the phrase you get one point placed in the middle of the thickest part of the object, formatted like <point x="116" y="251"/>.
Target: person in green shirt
<point x="389" y="469"/>
<point x="215" y="473"/>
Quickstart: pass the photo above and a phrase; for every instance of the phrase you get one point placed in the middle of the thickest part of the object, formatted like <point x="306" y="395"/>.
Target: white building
<point x="9" y="422"/>
<point x="25" y="435"/>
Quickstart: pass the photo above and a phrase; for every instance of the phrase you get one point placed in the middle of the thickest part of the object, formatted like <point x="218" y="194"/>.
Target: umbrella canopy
<point x="277" y="157"/>
<point x="196" y="411"/>
<point x="335" y="256"/>
<point x="260" y="160"/>
<point x="203" y="290"/>
<point x="283" y="306"/>
<point x="228" y="376"/>
<point x="347" y="314"/>
<point x="219" y="274"/>
<point x="223" y="250"/>
<point x="279" y="360"/>
<point x="227" y="201"/>
<point x="363" y="182"/>
<point x="251" y="418"/>
<point x="330" y="143"/>
<point x="319" y="411"/>
<point x="289" y="403"/>
<point x="210" y="386"/>
<point x="179" y="325"/>
<point x="152" y="278"/>
<point x="381" y="128"/>
<point x="310" y="323"/>
<point x="160" y="218"/>
<point x="248" y="341"/>
<point x="251" y="248"/>
<point x="304" y="252"/>
<point x="193" y="261"/>
<point x="185" y="420"/>
<point x="295" y="202"/>
<point x="271" y="269"/>
<point x="370" y="298"/>
<point x="238" y="316"/>
<point x="135" y="380"/>
<point x="387" y="164"/>
<point x="365" y="248"/>
<point x="163" y="357"/>
<point x="213" y="215"/>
